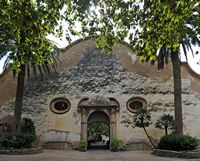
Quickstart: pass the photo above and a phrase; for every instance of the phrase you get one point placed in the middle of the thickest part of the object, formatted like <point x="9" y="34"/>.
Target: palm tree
<point x="23" y="38"/>
<point x="166" y="121"/>
<point x="166" y="27"/>
<point x="142" y="119"/>
<point x="25" y="71"/>
<point x="163" y="57"/>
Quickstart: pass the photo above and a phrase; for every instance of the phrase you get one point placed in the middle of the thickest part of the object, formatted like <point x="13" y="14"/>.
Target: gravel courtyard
<point x="91" y="155"/>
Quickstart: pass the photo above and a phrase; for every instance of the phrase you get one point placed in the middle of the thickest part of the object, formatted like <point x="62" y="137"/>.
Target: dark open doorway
<point x="98" y="130"/>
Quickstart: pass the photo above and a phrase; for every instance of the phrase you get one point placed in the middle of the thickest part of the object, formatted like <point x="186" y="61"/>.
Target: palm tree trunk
<point x="18" y="100"/>
<point x="177" y="93"/>
<point x="148" y="137"/>
<point x="166" y="132"/>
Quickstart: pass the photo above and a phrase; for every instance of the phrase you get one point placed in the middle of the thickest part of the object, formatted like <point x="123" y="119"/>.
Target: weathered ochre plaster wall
<point x="72" y="54"/>
<point x="7" y="86"/>
<point x="72" y="82"/>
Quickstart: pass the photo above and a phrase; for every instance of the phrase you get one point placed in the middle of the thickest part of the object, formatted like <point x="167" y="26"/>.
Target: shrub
<point x="27" y="139"/>
<point x="178" y="142"/>
<point x="114" y="144"/>
<point x="6" y="141"/>
<point x="23" y="140"/>
<point x="28" y="126"/>
<point x="83" y="144"/>
<point x="6" y="125"/>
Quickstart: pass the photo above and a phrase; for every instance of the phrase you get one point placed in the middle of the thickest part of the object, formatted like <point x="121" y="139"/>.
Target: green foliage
<point x="28" y="126"/>
<point x="166" y="121"/>
<point x="115" y="144"/>
<point x="5" y="129"/>
<point x="166" y="27"/>
<point x="103" y="19"/>
<point x="178" y="142"/>
<point x="151" y="27"/>
<point x="155" y="30"/>
<point x="23" y="140"/>
<point x="24" y="28"/>
<point x="83" y="144"/>
<point x="96" y="129"/>
<point x="142" y="118"/>
<point x="6" y="126"/>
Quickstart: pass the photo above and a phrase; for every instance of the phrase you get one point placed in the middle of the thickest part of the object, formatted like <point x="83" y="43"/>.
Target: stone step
<point x="59" y="145"/>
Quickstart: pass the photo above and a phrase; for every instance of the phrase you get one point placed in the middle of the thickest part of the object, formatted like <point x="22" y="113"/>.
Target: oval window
<point x="60" y="105"/>
<point x="136" y="103"/>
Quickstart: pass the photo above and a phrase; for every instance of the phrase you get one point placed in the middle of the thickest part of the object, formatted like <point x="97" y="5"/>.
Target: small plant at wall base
<point x="83" y="145"/>
<point x="115" y="144"/>
<point x="142" y="119"/>
<point x="178" y="142"/>
<point x="166" y="121"/>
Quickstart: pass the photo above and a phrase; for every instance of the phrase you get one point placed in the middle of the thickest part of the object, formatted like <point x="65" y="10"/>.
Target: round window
<point x="60" y="105"/>
<point x="136" y="103"/>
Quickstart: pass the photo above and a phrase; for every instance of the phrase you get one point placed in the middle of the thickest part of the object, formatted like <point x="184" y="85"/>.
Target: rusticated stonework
<point x="86" y="73"/>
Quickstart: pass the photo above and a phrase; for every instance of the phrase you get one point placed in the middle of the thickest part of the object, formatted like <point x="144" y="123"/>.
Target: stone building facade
<point x="89" y="86"/>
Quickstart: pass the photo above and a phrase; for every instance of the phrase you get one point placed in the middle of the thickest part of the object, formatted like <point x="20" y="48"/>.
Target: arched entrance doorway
<point x="98" y="109"/>
<point x="98" y="130"/>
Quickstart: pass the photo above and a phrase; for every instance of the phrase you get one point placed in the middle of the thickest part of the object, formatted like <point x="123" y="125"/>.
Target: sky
<point x="192" y="61"/>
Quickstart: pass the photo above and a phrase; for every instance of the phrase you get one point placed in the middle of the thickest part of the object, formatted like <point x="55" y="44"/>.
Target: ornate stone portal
<point x="98" y="109"/>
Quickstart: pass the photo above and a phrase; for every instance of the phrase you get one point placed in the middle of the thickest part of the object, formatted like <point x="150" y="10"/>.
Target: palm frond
<point x="189" y="47"/>
<point x="6" y="63"/>
<point x="28" y="70"/>
<point x="40" y="71"/>
<point x="35" y="71"/>
<point x="55" y="55"/>
<point x="14" y="73"/>
<point x="46" y="67"/>
<point x="3" y="54"/>
<point x="161" y="58"/>
<point x="166" y="54"/>
<point x="184" y="50"/>
<point x="195" y="41"/>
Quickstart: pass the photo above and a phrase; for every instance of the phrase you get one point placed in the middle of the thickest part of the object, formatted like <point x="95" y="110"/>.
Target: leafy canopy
<point x="165" y="26"/>
<point x="147" y="25"/>
<point x="103" y="19"/>
<point x="24" y="27"/>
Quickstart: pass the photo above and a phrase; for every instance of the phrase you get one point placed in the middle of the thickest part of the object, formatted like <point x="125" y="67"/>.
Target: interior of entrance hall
<point x="98" y="130"/>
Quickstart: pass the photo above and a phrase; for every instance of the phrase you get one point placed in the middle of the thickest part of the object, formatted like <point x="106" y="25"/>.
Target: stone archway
<point x="100" y="116"/>
<point x="99" y="104"/>
<point x="98" y="130"/>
